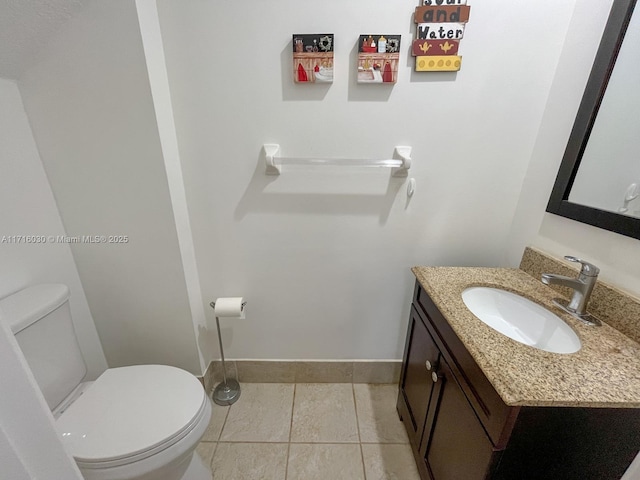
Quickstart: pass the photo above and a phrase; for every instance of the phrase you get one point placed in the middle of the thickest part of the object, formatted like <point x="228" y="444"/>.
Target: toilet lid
<point x="130" y="410"/>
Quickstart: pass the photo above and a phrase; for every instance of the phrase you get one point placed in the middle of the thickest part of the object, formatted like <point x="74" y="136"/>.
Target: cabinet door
<point x="416" y="384"/>
<point x="454" y="445"/>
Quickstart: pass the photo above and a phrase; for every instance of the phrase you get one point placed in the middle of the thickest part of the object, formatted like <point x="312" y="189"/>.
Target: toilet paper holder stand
<point x="228" y="391"/>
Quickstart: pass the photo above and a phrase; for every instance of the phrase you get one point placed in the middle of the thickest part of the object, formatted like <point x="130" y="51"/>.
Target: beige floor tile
<point x="389" y="462"/>
<point x="378" y="419"/>
<point x="262" y="414"/>
<point x="205" y="450"/>
<point x="250" y="461"/>
<point x="325" y="461"/>
<point x="324" y="413"/>
<point x="218" y="416"/>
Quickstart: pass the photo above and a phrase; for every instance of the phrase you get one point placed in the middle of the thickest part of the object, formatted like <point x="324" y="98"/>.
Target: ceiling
<point x="26" y="26"/>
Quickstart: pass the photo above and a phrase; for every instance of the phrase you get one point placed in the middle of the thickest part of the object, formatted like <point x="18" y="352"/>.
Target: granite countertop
<point x="605" y="372"/>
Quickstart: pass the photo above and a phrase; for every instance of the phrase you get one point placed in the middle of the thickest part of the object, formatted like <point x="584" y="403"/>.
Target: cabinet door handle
<point x="428" y="365"/>
<point x="434" y="377"/>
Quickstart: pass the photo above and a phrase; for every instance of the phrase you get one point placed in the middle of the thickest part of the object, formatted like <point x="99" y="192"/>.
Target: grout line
<point x="305" y="442"/>
<point x="224" y="424"/>
<point x="385" y="443"/>
<point x="364" y="470"/>
<point x="293" y="403"/>
<point x="215" y="449"/>
<point x="328" y="442"/>
<point x="213" y="455"/>
<point x="355" y="406"/>
<point x="217" y="441"/>
<point x="226" y="442"/>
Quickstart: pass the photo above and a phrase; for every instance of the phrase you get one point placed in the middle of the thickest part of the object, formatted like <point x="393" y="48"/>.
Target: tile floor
<point x="309" y="431"/>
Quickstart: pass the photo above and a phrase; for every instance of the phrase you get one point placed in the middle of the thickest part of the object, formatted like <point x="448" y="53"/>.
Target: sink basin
<point x="521" y="319"/>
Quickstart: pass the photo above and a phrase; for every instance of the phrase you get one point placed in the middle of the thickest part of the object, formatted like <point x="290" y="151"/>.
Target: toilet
<point x="141" y="422"/>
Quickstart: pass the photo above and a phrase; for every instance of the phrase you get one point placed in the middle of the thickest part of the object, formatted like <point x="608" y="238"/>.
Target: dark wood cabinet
<point x="421" y="354"/>
<point x="455" y="444"/>
<point x="460" y="429"/>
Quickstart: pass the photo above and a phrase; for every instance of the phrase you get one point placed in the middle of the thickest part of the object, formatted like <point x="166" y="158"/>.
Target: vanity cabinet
<point x="451" y="421"/>
<point x="421" y="357"/>
<point x="460" y="429"/>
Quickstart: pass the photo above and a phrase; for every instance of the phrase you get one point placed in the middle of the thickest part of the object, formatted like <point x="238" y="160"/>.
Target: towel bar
<point x="400" y="163"/>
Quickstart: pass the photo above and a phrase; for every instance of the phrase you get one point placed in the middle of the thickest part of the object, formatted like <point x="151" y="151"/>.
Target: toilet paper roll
<point x="229" y="307"/>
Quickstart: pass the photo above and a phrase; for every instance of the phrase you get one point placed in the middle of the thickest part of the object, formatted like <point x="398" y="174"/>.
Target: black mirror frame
<point x="605" y="60"/>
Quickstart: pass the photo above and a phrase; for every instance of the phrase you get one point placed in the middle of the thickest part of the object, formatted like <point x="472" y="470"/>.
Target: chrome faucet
<point x="582" y="287"/>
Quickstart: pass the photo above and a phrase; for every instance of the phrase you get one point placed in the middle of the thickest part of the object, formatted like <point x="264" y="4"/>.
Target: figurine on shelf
<point x="369" y="45"/>
<point x="382" y="44"/>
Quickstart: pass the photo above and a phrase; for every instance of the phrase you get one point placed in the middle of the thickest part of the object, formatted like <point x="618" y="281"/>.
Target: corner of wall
<point x="33" y="212"/>
<point x="161" y="95"/>
<point x="572" y="71"/>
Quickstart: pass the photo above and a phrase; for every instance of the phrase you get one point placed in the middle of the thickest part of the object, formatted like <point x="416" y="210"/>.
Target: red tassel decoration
<point x="302" y="74"/>
<point x="387" y="76"/>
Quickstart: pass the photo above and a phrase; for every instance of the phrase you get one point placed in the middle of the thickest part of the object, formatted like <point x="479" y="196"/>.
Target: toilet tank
<point x="40" y="319"/>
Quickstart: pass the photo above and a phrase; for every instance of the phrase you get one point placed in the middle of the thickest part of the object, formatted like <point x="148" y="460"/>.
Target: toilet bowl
<point x="139" y="422"/>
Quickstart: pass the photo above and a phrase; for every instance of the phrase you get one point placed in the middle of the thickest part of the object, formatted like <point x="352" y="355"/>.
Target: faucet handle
<point x="588" y="269"/>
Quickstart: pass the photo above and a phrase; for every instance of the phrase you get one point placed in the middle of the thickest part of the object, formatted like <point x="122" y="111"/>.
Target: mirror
<point x="599" y="178"/>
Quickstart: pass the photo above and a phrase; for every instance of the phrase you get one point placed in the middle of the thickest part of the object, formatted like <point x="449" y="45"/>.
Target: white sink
<point x="520" y="319"/>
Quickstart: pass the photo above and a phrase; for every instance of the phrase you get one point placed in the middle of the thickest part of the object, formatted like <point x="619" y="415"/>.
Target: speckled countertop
<point x="605" y="372"/>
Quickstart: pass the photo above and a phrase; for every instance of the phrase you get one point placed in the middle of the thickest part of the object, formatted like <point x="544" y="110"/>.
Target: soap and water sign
<point x="440" y="27"/>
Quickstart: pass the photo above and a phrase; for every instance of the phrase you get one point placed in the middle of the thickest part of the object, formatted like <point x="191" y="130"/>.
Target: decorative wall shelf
<point x="400" y="163"/>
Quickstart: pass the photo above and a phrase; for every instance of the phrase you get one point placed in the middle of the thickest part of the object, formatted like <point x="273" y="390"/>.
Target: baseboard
<point x="304" y="371"/>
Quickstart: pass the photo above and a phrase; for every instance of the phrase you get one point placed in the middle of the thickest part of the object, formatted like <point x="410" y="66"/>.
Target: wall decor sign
<point x="378" y="57"/>
<point x="440" y="27"/>
<point x="313" y="58"/>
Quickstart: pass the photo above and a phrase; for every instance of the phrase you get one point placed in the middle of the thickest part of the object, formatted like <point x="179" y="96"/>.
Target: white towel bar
<point x="400" y="163"/>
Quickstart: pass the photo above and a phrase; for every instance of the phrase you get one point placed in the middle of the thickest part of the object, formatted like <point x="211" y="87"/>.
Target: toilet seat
<point x="131" y="413"/>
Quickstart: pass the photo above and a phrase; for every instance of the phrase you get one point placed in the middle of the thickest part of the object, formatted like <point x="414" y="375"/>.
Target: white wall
<point x="89" y="104"/>
<point x="159" y="83"/>
<point x="617" y="256"/>
<point x="323" y="255"/>
<point x="29" y="209"/>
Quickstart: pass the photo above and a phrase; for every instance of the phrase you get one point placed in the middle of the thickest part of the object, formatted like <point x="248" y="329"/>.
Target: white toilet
<point x="133" y="423"/>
